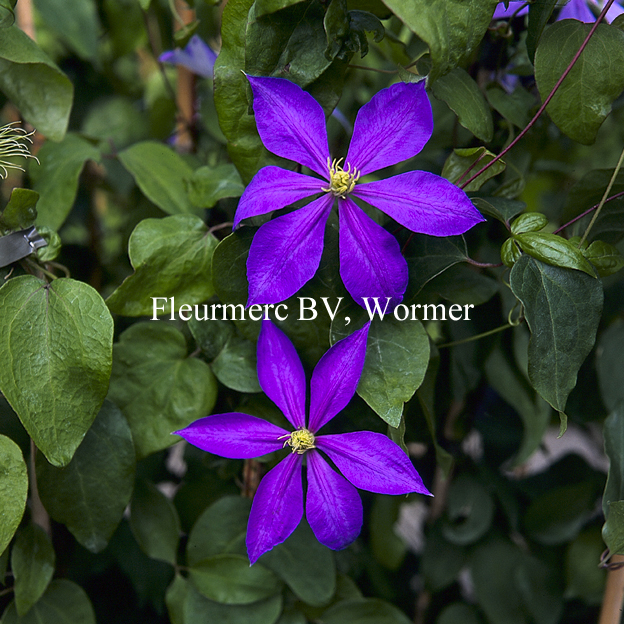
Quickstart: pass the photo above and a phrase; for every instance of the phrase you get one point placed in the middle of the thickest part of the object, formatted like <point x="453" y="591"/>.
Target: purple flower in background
<point x="574" y="9"/>
<point x="196" y="56"/>
<point x="504" y="13"/>
<point x="579" y="10"/>
<point x="369" y="461"/>
<point x="393" y="126"/>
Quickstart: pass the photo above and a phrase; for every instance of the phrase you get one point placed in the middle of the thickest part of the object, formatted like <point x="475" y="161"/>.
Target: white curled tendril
<point x="14" y="142"/>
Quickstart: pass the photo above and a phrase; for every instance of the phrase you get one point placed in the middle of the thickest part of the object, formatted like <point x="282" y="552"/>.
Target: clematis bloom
<point x="370" y="461"/>
<point x="197" y="56"/>
<point x="392" y="127"/>
<point x="574" y="9"/>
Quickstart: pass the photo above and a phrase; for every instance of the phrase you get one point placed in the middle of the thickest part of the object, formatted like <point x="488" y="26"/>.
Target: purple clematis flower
<point x="369" y="461"/>
<point x="196" y="56"/>
<point x="579" y="10"/>
<point x="393" y="126"/>
<point x="574" y="9"/>
<point x="515" y="8"/>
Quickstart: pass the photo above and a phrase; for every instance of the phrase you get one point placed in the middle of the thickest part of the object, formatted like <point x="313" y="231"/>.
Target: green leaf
<point x="613" y="529"/>
<point x="211" y="336"/>
<point x="442" y="560"/>
<point x="584" y="99"/>
<point x="154" y="522"/>
<point x="235" y="366"/>
<point x="465" y="99"/>
<point x="493" y="564"/>
<point x="305" y="565"/>
<point x="199" y="610"/>
<point x="53" y="248"/>
<point x="38" y="88"/>
<point x="469" y="161"/>
<point x="463" y="286"/>
<point x="229" y="579"/>
<point x="76" y="23"/>
<point x="161" y="174"/>
<point x="554" y="250"/>
<point x="171" y="257"/>
<point x="428" y="256"/>
<point x="32" y="562"/>
<point x="56" y="180"/>
<point x="470" y="510"/>
<point x="59" y="339"/>
<point x="614" y="448"/>
<point x="529" y="222"/>
<point x="156" y="386"/>
<point x="175" y="599"/>
<point x="557" y="516"/>
<point x="264" y="7"/>
<point x="514" y="106"/>
<point x="387" y="547"/>
<point x="539" y="14"/>
<point x="562" y="309"/>
<point x="426" y="398"/>
<point x="303" y="59"/>
<point x="221" y="528"/>
<point x="533" y="410"/>
<point x="610" y="367"/>
<point x="62" y="603"/>
<point x="13" y="490"/>
<point x="7" y="13"/>
<point x="208" y="185"/>
<point x="91" y="493"/>
<point x="452" y="28"/>
<point x="397" y="357"/>
<point x="229" y="266"/>
<point x="230" y="96"/>
<point x="500" y="208"/>
<point x="605" y="257"/>
<point x="364" y="611"/>
<point x="458" y="613"/>
<point x="584" y="579"/>
<point x="20" y="212"/>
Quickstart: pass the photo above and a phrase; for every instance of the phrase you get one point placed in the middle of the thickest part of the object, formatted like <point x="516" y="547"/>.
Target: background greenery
<point x="140" y="166"/>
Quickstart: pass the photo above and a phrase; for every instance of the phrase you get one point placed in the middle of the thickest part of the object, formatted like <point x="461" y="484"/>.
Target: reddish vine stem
<point x="542" y="108"/>
<point x="588" y="211"/>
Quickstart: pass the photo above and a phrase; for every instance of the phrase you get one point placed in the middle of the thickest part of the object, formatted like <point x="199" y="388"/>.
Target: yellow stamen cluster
<point x="300" y="441"/>
<point x="341" y="182"/>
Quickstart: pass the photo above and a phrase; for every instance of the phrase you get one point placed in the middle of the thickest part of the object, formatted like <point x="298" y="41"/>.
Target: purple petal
<point x="371" y="264"/>
<point x="502" y="13"/>
<point x="422" y="202"/>
<point x="196" y="56"/>
<point x="234" y="435"/>
<point x="273" y="188"/>
<point x="393" y="126"/>
<point x="336" y="377"/>
<point x="286" y="252"/>
<point x="333" y="505"/>
<point x="277" y="507"/>
<point x="281" y="374"/>
<point x="291" y="123"/>
<point x="578" y="10"/>
<point x="373" y="462"/>
<point x="613" y="12"/>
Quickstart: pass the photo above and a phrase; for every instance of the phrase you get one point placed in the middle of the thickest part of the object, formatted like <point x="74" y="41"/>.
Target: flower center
<point x="300" y="441"/>
<point x="341" y="182"/>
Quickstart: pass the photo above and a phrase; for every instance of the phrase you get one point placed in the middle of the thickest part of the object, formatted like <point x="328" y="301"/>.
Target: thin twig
<point x="477" y="337"/>
<point x="588" y="211"/>
<point x="611" y="610"/>
<point x="603" y="200"/>
<point x="542" y="108"/>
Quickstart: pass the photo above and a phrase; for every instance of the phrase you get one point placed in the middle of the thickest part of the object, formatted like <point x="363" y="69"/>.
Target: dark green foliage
<point x="105" y="516"/>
